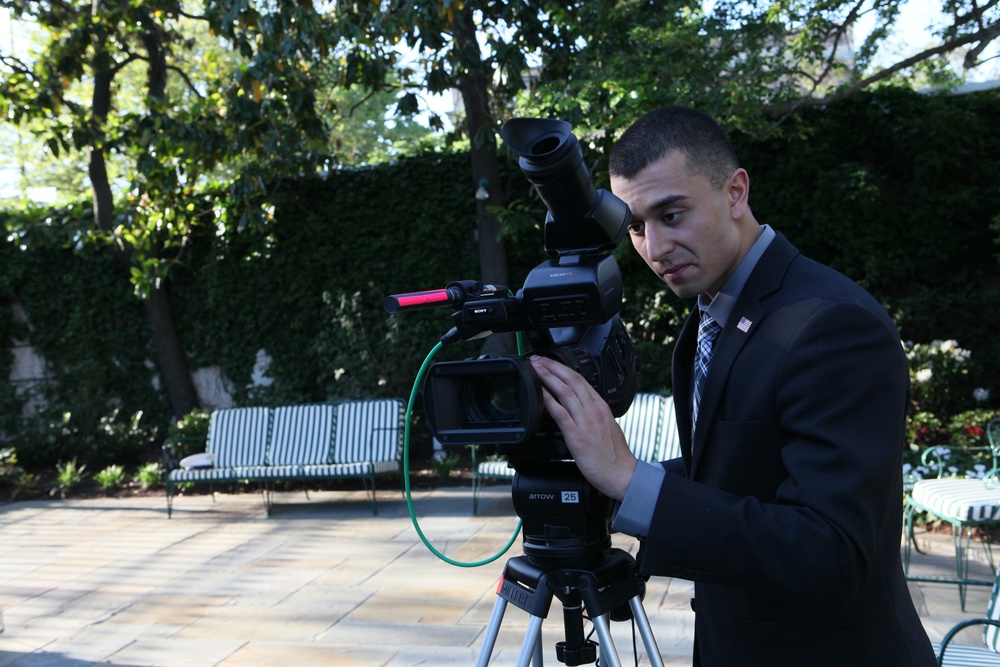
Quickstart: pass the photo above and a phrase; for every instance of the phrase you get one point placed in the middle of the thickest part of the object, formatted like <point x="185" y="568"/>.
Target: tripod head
<point x="566" y="521"/>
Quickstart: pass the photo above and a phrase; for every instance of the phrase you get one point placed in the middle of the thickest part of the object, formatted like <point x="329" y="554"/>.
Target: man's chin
<point x="683" y="290"/>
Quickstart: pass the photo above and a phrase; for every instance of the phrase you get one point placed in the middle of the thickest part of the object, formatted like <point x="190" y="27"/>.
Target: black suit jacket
<point x="786" y="508"/>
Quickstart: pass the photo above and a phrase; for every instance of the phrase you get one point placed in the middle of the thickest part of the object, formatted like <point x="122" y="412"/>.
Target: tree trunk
<point x="473" y="84"/>
<point x="170" y="355"/>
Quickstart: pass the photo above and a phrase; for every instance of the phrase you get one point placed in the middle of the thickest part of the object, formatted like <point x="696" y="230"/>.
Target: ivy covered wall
<point x="897" y="190"/>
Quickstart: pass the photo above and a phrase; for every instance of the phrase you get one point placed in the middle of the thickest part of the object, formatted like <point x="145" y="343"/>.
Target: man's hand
<point x="592" y="435"/>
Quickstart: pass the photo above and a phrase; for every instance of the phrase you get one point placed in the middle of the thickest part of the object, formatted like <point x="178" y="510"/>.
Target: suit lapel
<point x="746" y="318"/>
<point x="727" y="348"/>
<point x="683" y="358"/>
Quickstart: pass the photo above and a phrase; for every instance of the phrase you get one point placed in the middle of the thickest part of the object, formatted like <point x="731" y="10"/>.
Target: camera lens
<point x="492" y="401"/>
<point x="494" y="398"/>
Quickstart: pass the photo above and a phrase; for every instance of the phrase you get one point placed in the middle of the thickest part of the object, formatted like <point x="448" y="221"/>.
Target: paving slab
<point x="320" y="582"/>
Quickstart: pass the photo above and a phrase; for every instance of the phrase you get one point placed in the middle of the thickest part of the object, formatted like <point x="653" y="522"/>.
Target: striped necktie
<point x="708" y="331"/>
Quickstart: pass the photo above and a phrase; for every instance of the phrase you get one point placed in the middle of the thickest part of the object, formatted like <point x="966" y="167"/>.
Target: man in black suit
<point x="785" y="508"/>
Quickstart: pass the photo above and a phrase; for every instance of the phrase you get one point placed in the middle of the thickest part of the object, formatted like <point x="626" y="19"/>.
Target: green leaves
<point x="220" y="115"/>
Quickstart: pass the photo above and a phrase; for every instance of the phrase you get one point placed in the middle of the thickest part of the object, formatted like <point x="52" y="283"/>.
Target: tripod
<point x="609" y="586"/>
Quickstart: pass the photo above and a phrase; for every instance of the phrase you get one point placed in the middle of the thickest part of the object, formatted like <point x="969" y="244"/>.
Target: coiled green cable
<point x="406" y="477"/>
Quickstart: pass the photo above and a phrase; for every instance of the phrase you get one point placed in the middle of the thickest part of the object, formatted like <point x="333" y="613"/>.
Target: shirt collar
<point x="721" y="307"/>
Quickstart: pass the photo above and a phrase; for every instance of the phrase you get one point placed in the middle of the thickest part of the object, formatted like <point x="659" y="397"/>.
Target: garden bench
<point x="966" y="503"/>
<point x="650" y="429"/>
<point x="353" y="439"/>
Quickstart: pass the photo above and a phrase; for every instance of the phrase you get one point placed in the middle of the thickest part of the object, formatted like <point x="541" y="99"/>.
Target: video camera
<point x="568" y="310"/>
<point x="568" y="307"/>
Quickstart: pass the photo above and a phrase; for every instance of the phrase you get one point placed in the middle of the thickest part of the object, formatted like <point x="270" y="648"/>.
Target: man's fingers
<point x="563" y="381"/>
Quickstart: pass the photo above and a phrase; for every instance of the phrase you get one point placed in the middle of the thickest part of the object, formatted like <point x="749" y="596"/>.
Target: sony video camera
<point x="567" y="309"/>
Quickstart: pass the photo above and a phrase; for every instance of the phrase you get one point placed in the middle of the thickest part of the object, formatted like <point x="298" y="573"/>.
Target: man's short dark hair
<point x="660" y="132"/>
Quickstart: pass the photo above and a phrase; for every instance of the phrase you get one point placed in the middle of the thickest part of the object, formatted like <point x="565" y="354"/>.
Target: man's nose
<point x="659" y="242"/>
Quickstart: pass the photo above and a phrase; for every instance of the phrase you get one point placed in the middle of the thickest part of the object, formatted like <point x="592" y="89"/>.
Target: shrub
<point x="9" y="469"/>
<point x="443" y="466"/>
<point x="111" y="478"/>
<point x="939" y="376"/>
<point x="190" y="433"/>
<point x="149" y="476"/>
<point x="69" y="476"/>
<point x="113" y="438"/>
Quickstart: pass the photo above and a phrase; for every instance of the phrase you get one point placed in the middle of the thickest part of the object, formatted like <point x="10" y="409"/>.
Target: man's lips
<point x="675" y="271"/>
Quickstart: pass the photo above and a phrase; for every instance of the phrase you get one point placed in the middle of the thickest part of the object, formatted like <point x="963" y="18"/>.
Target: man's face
<point x="683" y="228"/>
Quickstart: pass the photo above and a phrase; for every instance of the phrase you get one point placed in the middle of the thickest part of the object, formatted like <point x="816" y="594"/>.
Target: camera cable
<point x="406" y="475"/>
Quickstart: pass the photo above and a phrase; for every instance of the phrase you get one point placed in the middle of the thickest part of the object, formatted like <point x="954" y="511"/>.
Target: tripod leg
<point x="609" y="654"/>
<point x="490" y="638"/>
<point x="532" y="646"/>
<point x="646" y="632"/>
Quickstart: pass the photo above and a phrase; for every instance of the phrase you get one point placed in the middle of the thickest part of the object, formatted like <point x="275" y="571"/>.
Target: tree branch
<point x="187" y="80"/>
<point x="983" y="36"/>
<point x="193" y="17"/>
<point x="16" y="65"/>
<point x="975" y="15"/>
<point x="125" y="63"/>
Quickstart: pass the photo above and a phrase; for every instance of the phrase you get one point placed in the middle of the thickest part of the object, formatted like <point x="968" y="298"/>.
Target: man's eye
<point x="635" y="228"/>
<point x="671" y="216"/>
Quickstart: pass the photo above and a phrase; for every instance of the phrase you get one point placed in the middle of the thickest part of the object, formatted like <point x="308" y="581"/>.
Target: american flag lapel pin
<point x="744" y="325"/>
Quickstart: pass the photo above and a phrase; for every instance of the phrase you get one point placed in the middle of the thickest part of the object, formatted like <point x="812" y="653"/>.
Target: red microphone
<point x="426" y="299"/>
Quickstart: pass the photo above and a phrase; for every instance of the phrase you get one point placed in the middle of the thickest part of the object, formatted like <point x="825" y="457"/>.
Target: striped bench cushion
<point x="963" y="655"/>
<point x="203" y="475"/>
<point x="495" y="469"/>
<point x="672" y="440"/>
<point x="643" y="426"/>
<point x="359" y="469"/>
<point x="238" y="436"/>
<point x="649" y="427"/>
<point x="232" y="474"/>
<point x="302" y="435"/>
<point x="963" y="500"/>
<point x="369" y="430"/>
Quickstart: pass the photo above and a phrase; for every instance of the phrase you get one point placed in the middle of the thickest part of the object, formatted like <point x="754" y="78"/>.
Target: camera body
<point x="567" y="308"/>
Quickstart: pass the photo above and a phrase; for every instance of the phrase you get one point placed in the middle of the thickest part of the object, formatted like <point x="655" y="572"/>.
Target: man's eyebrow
<point x="667" y="201"/>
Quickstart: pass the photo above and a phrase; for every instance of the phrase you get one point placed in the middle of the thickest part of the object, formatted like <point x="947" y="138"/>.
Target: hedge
<point x="895" y="189"/>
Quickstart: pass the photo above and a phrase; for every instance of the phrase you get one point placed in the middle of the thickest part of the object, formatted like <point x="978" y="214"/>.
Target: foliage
<point x="925" y="430"/>
<point x="443" y="466"/>
<point x="149" y="475"/>
<point x="69" y="475"/>
<point x="959" y="449"/>
<point x="944" y="435"/>
<point x="307" y="288"/>
<point x="399" y="228"/>
<point x="751" y="64"/>
<point x="189" y="434"/>
<point x="260" y="111"/>
<point x="479" y="50"/>
<point x="439" y="55"/>
<point x="111" y="478"/>
<point x="101" y="439"/>
<point x="359" y="131"/>
<point x="363" y="133"/>
<point x="968" y="428"/>
<point x="11" y="473"/>
<point x="244" y="120"/>
<point x="855" y="192"/>
<point x="938" y="371"/>
<point x="9" y="468"/>
<point x="13" y="476"/>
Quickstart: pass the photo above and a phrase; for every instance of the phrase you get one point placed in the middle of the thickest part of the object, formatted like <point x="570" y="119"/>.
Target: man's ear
<point x="738" y="189"/>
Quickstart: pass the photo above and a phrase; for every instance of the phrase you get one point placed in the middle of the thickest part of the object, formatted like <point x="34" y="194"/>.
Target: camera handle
<point x="599" y="591"/>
